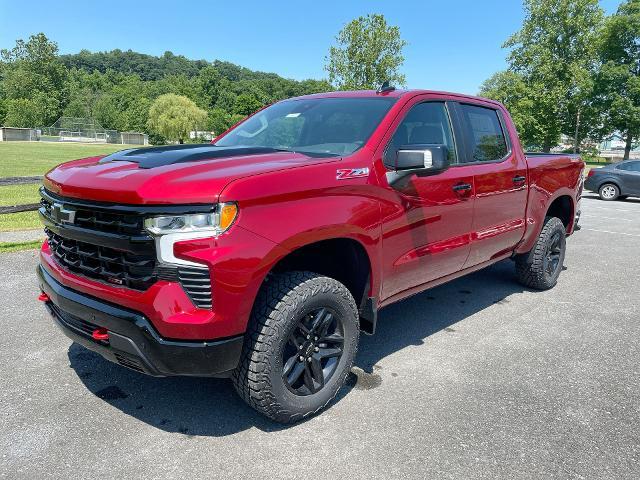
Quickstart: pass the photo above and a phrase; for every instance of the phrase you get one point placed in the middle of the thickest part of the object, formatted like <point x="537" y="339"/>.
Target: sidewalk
<point x="22" y="236"/>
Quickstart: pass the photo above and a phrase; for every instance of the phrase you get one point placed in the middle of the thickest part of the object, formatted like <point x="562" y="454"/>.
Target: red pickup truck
<point x="263" y="255"/>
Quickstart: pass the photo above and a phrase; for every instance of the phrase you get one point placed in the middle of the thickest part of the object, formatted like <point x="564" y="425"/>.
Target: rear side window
<point x="630" y="167"/>
<point x="485" y="137"/>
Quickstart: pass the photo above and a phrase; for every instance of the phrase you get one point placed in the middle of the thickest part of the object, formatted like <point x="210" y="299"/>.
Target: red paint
<point x="43" y="297"/>
<point x="100" y="334"/>
<point x="417" y="234"/>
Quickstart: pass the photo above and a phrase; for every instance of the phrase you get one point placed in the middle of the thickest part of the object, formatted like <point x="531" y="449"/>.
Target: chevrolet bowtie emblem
<point x="61" y="214"/>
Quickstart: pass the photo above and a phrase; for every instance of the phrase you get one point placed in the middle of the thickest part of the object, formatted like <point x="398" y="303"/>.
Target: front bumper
<point x="133" y="342"/>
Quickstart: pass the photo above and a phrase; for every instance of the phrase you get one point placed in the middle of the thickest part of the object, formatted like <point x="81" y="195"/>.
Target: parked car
<point x="615" y="181"/>
<point x="262" y="256"/>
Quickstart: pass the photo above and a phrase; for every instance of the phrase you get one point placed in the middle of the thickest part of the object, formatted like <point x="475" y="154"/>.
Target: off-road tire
<point x="531" y="267"/>
<point x="282" y="300"/>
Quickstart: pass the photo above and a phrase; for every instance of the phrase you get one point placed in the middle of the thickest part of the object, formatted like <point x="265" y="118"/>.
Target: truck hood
<point x="178" y="174"/>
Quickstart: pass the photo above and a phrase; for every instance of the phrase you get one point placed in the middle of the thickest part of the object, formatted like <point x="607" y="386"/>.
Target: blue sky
<point x="453" y="45"/>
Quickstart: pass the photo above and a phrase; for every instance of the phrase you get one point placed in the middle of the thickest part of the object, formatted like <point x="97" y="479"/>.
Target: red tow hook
<point x="43" y="297"/>
<point x="100" y="334"/>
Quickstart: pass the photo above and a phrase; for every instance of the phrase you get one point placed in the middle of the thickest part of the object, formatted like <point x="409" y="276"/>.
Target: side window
<point x="426" y="123"/>
<point x="486" y="139"/>
<point x="630" y="167"/>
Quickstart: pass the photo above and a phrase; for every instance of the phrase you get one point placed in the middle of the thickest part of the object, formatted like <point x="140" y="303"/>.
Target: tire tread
<point x="280" y="296"/>
<point x="530" y="266"/>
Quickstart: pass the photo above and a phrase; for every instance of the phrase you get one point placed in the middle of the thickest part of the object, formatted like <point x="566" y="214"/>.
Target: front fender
<point x="298" y="207"/>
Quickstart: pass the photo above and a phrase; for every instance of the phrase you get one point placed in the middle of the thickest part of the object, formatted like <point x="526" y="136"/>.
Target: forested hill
<point x="147" y="67"/>
<point x="116" y="89"/>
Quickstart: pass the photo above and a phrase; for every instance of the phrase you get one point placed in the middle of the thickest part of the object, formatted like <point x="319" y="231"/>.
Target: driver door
<point x="427" y="221"/>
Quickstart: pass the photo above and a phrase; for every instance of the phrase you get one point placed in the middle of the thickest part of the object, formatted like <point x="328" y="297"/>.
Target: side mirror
<point x="422" y="157"/>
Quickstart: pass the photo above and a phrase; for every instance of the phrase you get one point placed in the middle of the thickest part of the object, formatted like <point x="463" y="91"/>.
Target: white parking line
<point x="612" y="209"/>
<point x="607" y="231"/>
<point x="608" y="218"/>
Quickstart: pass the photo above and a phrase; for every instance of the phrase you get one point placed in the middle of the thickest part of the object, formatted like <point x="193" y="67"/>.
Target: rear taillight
<point x="591" y="173"/>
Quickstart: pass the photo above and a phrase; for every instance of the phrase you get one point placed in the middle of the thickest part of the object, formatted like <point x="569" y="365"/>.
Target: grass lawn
<point x="36" y="158"/>
<point x="6" y="247"/>
<point x="598" y="162"/>
<point x="19" y="221"/>
<point x="19" y="194"/>
<point x="19" y="159"/>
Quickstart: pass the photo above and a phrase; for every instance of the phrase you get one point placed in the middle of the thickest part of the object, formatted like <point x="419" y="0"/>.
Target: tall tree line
<point x="572" y="71"/>
<point x="118" y="88"/>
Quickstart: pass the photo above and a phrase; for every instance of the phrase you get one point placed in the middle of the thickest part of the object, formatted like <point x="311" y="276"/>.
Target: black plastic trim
<point x="133" y="244"/>
<point x="134" y="339"/>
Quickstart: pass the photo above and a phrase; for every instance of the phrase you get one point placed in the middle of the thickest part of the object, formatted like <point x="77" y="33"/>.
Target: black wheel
<point x="300" y="346"/>
<point x="541" y="267"/>
<point x="609" y="192"/>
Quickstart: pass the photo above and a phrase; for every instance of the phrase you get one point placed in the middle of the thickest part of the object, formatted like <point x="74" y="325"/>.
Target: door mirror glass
<point x="422" y="157"/>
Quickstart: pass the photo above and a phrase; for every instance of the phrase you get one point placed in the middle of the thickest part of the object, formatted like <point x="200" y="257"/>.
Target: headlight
<point x="216" y="222"/>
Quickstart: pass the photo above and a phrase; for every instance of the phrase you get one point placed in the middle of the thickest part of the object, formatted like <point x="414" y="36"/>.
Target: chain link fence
<point x="73" y="129"/>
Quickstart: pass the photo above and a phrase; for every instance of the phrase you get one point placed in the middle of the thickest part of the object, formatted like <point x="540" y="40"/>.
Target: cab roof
<point x="397" y="93"/>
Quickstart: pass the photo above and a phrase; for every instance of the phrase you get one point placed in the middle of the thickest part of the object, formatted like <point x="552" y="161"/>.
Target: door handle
<point x="461" y="187"/>
<point x="519" y="179"/>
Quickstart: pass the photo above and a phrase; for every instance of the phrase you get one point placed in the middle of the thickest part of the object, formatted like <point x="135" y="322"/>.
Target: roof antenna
<point x="385" y="87"/>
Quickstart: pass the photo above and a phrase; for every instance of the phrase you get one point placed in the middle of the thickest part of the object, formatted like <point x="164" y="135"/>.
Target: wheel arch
<point x="344" y="259"/>
<point x="613" y="180"/>
<point x="561" y="204"/>
<point x="563" y="208"/>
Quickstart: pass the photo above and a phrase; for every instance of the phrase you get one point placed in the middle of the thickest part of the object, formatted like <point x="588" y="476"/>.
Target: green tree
<point x="30" y="73"/>
<point x="174" y="116"/>
<point x="554" y="52"/>
<point x="246" y="104"/>
<point x="368" y="53"/>
<point x="28" y="112"/>
<point x="618" y="83"/>
<point x="511" y="89"/>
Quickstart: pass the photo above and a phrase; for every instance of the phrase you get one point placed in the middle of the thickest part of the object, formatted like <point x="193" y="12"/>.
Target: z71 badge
<point x="345" y="173"/>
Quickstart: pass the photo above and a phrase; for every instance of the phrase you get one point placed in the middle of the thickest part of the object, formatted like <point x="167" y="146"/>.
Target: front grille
<point x="104" y="221"/>
<point x="136" y="271"/>
<point x="108" y="243"/>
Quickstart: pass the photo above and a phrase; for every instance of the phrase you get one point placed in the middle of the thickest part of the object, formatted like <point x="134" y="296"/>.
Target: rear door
<point x="500" y="182"/>
<point x="630" y="174"/>
<point x="427" y="216"/>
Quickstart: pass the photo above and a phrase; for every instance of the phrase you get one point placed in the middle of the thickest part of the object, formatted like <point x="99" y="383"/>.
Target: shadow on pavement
<point x="209" y="407"/>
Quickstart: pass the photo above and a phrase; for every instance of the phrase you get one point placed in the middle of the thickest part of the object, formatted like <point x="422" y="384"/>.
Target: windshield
<point x="325" y="126"/>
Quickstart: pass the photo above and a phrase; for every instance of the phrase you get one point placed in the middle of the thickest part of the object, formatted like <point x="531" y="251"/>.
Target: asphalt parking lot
<point x="479" y="378"/>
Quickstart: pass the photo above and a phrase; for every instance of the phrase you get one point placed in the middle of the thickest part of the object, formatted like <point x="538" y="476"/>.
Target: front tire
<point x="541" y="267"/>
<point x="609" y="192"/>
<point x="300" y="346"/>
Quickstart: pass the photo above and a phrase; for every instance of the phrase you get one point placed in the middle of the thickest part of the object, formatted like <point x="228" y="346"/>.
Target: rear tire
<point x="297" y="315"/>
<point x="541" y="267"/>
<point x="609" y="192"/>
